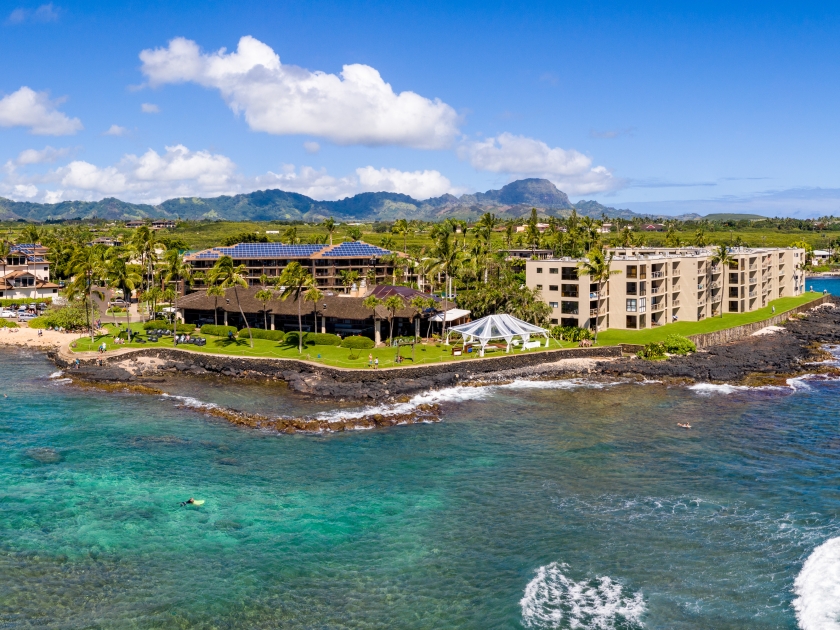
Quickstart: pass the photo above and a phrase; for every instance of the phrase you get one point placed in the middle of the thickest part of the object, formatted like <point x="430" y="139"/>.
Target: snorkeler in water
<point x="189" y="501"/>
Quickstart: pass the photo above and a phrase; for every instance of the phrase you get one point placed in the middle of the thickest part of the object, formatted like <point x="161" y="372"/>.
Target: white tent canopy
<point x="502" y="326"/>
<point x="451" y="315"/>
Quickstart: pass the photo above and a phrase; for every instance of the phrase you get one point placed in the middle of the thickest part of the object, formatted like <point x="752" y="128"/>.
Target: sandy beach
<point x="28" y="337"/>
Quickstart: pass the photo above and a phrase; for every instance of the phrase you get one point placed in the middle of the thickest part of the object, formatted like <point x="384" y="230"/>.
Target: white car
<point x="25" y="317"/>
<point x="7" y="314"/>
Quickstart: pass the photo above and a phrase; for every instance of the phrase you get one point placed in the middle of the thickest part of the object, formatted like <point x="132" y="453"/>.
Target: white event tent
<point x="502" y="326"/>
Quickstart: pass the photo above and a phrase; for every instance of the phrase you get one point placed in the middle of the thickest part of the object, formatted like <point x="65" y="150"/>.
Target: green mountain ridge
<point x="512" y="201"/>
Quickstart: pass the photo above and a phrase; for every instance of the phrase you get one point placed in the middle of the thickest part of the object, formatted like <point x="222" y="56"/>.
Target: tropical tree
<point x="230" y="276"/>
<point x="295" y="280"/>
<point x="314" y="294"/>
<point x="597" y="267"/>
<point x="87" y="265"/>
<point x="144" y="244"/>
<point x="392" y="304"/>
<point x="724" y="258"/>
<point x="386" y="242"/>
<point x="176" y="270"/>
<point x="215" y="291"/>
<point x="419" y="304"/>
<point x="371" y="302"/>
<point x="329" y="225"/>
<point x="119" y="276"/>
<point x="348" y="277"/>
<point x="700" y="238"/>
<point x="401" y="227"/>
<point x="355" y="233"/>
<point x="290" y="236"/>
<point x="5" y="250"/>
<point x="445" y="259"/>
<point x="264" y="296"/>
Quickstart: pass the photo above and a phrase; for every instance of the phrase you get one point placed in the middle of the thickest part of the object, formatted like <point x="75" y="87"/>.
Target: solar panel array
<point x="356" y="250"/>
<point x="261" y="250"/>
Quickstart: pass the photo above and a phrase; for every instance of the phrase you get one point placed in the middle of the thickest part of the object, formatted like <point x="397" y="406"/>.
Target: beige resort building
<point x="657" y="286"/>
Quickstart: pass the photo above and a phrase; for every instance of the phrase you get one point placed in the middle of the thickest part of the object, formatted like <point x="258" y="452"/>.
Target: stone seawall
<point x="720" y="337"/>
<point x="305" y="376"/>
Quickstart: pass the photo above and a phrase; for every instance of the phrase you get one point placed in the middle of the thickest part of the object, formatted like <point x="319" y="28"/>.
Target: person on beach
<point x="370" y="360"/>
<point x="773" y="309"/>
<point x="376" y="363"/>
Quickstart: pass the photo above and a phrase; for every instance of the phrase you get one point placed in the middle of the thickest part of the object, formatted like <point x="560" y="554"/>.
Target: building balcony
<point x="715" y="284"/>
<point x="753" y="294"/>
<point x="701" y="302"/>
<point x="675" y="272"/>
<point x="657" y="290"/>
<point x="715" y="269"/>
<point x="753" y="266"/>
<point x="753" y="280"/>
<point x="658" y="306"/>
<point x="701" y="286"/>
<point x="717" y="298"/>
<point x="657" y="274"/>
<point x="593" y="312"/>
<point x="675" y="303"/>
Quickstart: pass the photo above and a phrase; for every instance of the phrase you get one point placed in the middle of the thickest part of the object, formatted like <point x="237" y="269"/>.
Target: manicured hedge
<point x="313" y="339"/>
<point x="217" y="331"/>
<point x="259" y="333"/>
<point x="156" y="324"/>
<point x="357" y="342"/>
<point x="8" y="323"/>
<point x="677" y="344"/>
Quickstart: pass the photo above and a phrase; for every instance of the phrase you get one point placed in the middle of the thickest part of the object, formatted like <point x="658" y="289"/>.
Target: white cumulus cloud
<point x="570" y="170"/>
<point x="43" y="156"/>
<point x="115" y="130"/>
<point x="417" y="184"/>
<point x="355" y="107"/>
<point x="149" y="108"/>
<point x="35" y="110"/>
<point x="312" y="147"/>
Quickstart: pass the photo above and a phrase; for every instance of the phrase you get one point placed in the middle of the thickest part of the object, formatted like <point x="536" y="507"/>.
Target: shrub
<point x="571" y="333"/>
<point x="218" y="331"/>
<point x="21" y="301"/>
<point x="313" y="339"/>
<point x="70" y="317"/>
<point x="357" y="342"/>
<point x="653" y="351"/>
<point x="677" y="344"/>
<point x="7" y="323"/>
<point x="259" y="333"/>
<point x="156" y="324"/>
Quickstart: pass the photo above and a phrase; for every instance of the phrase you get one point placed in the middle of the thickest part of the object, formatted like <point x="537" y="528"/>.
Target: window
<point x="570" y="290"/>
<point x="569" y="321"/>
<point x="570" y="273"/>
<point x="553" y="321"/>
<point x="632" y="271"/>
<point x="733" y="292"/>
<point x="553" y="304"/>
<point x="642" y="272"/>
<point x="552" y="270"/>
<point x="733" y="278"/>
<point x="569" y="308"/>
<point x="733" y="306"/>
<point x="631" y="306"/>
<point x="631" y="288"/>
<point x="631" y="321"/>
<point x="539" y="287"/>
<point x="539" y="269"/>
<point x="552" y="287"/>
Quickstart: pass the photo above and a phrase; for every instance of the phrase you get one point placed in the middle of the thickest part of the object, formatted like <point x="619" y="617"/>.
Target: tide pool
<point x="541" y="505"/>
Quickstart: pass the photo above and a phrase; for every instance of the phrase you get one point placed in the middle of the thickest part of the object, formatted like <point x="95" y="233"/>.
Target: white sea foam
<point x="552" y="600"/>
<point x="188" y="401"/>
<point x="708" y="389"/>
<point x="817" y="588"/>
<point x="455" y="394"/>
<point x="58" y="374"/>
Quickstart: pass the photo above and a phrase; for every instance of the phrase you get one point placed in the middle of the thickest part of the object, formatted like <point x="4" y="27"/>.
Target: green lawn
<point x="328" y="355"/>
<point x="710" y="324"/>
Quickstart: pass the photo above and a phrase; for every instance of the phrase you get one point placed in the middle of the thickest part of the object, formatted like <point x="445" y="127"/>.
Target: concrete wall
<point x="719" y="337"/>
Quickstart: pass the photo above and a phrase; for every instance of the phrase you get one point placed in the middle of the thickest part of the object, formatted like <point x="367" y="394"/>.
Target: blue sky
<point x="653" y="106"/>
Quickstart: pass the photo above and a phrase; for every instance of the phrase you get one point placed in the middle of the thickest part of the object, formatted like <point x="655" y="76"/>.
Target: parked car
<point x="7" y="314"/>
<point x="119" y="302"/>
<point x="25" y="317"/>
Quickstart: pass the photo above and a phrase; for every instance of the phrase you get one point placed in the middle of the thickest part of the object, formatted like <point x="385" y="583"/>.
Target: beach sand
<point x="28" y="337"/>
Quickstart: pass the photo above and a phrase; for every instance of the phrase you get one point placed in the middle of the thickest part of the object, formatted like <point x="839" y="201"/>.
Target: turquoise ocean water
<point x="541" y="505"/>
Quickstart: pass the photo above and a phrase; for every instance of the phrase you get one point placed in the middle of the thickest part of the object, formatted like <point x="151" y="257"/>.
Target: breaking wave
<point x="817" y="589"/>
<point x="710" y="389"/>
<point x="553" y="600"/>
<point x="188" y="401"/>
<point x="58" y="374"/>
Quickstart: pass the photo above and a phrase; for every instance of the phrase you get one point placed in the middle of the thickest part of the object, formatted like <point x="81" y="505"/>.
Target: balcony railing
<point x="753" y="266"/>
<point x="717" y="298"/>
<point x="701" y="302"/>
<point x="675" y="272"/>
<point x="700" y="286"/>
<point x="715" y="284"/>
<point x="675" y="303"/>
<point x="753" y="293"/>
<point x="753" y="280"/>
<point x="657" y="274"/>
<point x="715" y="269"/>
<point x="658" y="306"/>
<point x="655" y="290"/>
<point x="597" y="311"/>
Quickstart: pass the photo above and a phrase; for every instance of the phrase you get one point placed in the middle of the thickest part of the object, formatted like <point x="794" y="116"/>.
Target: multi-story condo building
<point x="25" y="273"/>
<point x="656" y="286"/>
<point x="325" y="262"/>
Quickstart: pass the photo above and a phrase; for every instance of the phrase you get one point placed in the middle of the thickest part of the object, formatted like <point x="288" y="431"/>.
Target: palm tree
<point x="295" y="279"/>
<point x="264" y="295"/>
<point x="401" y="227"/>
<point x="215" y="291"/>
<point x="372" y="302"/>
<point x="314" y="295"/>
<point x="724" y="258"/>
<point x="418" y="304"/>
<point x="144" y="244"/>
<point x="233" y="276"/>
<point x="355" y="233"/>
<point x="392" y="303"/>
<point x="446" y="259"/>
<point x="329" y="226"/>
<point x="597" y="267"/>
<point x="290" y="236"/>
<point x="120" y="277"/>
<point x="5" y="250"/>
<point x="700" y="238"/>
<point x="348" y="277"/>
<point x="176" y="270"/>
<point x="87" y="265"/>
